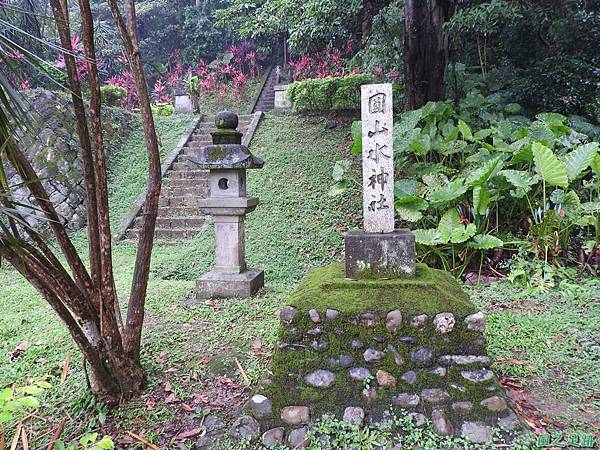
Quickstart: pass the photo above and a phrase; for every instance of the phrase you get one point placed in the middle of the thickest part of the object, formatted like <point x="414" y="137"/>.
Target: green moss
<point x="216" y="153"/>
<point x="430" y="292"/>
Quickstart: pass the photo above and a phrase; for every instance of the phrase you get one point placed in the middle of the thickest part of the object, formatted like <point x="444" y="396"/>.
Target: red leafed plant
<point x="80" y="61"/>
<point x="125" y="80"/>
<point x="160" y="93"/>
<point x="326" y="63"/>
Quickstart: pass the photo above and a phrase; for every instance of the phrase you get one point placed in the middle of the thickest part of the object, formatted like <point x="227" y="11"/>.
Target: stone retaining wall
<point x="52" y="146"/>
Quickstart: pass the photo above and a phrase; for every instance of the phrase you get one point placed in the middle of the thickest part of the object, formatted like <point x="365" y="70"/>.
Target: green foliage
<point x="384" y="45"/>
<point x="16" y="402"/>
<point x="162" y="109"/>
<point x="472" y="181"/>
<point x="89" y="441"/>
<point x="551" y="66"/>
<point x="328" y="94"/>
<point x="552" y="171"/>
<point x="201" y="36"/>
<point x="112" y="95"/>
<point x="311" y="25"/>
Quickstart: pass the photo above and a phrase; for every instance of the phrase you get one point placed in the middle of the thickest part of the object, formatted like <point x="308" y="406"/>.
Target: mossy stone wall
<point x="52" y="146"/>
<point x="382" y="345"/>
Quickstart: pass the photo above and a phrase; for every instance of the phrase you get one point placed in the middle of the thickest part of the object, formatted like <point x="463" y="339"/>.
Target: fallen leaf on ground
<point x="65" y="371"/>
<point x="191" y="433"/>
<point x="171" y="398"/>
<point x="19" y="350"/>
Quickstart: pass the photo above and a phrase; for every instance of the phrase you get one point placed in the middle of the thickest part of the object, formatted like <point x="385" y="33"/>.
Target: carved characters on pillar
<point x="378" y="158"/>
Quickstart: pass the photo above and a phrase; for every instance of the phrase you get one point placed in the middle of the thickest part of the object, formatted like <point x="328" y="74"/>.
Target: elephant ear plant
<point x="469" y="182"/>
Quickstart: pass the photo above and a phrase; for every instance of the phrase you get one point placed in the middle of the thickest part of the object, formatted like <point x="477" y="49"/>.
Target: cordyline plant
<point x="86" y="300"/>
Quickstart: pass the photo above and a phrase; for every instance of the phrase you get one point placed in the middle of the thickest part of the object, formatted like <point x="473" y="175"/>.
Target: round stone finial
<point x="226" y="120"/>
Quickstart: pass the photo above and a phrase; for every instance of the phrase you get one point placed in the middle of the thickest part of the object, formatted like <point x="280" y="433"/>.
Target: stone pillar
<point x="283" y="103"/>
<point x="379" y="251"/>
<point x="230" y="255"/>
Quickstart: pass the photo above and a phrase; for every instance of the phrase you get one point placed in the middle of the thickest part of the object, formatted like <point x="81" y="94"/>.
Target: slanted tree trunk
<point x="370" y="9"/>
<point x="86" y="301"/>
<point x="426" y="50"/>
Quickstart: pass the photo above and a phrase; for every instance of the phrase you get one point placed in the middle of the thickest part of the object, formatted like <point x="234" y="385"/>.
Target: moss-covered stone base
<point x="380" y="345"/>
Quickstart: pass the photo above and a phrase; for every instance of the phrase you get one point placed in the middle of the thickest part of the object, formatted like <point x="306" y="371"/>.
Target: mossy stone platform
<point x="358" y="349"/>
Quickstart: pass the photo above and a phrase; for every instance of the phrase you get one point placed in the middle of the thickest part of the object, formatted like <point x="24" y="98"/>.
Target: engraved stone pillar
<point x="228" y="205"/>
<point x="379" y="251"/>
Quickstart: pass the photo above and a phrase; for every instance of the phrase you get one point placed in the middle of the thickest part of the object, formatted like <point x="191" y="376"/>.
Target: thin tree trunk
<point x="137" y="299"/>
<point x="425" y="50"/>
<point x="62" y="23"/>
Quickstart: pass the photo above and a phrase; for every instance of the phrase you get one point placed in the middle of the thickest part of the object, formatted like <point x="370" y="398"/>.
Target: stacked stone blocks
<point x="358" y="350"/>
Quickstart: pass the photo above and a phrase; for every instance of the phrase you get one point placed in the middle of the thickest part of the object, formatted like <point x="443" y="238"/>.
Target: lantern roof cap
<point x="226" y="151"/>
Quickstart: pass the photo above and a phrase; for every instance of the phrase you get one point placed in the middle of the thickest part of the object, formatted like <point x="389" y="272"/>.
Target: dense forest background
<point x="543" y="54"/>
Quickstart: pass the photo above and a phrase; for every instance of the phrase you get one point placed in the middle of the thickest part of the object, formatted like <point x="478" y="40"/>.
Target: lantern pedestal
<point x="227" y="285"/>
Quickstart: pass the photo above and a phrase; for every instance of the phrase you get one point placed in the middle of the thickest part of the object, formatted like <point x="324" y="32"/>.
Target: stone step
<point x="168" y="234"/>
<point x="182" y="166"/>
<point x="200" y="188"/>
<point x="180" y="222"/>
<point x="184" y="182"/>
<point x="194" y="174"/>
<point x="179" y="211"/>
<point x="183" y="200"/>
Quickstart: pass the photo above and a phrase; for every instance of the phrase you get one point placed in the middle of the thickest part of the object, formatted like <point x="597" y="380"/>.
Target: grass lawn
<point x="192" y="349"/>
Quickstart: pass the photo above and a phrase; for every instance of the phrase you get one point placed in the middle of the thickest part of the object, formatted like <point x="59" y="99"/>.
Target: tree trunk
<point x="425" y="50"/>
<point x="86" y="301"/>
<point x="370" y="9"/>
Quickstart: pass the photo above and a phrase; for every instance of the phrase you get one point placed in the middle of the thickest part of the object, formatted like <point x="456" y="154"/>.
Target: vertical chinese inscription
<point x="378" y="158"/>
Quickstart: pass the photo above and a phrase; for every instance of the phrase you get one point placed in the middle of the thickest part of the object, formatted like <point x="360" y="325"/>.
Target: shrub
<point x="163" y="109"/>
<point x="328" y="94"/>
<point x="473" y="182"/>
<point x="112" y="95"/>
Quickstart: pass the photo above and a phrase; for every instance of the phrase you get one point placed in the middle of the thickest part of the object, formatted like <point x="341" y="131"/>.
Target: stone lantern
<point x="227" y="160"/>
<point x="183" y="102"/>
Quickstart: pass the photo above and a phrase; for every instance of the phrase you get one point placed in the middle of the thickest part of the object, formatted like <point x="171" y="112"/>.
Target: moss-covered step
<point x="359" y="349"/>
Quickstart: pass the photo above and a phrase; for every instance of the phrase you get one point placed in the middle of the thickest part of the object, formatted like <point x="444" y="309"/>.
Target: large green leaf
<point x="580" y="158"/>
<point x="465" y="130"/>
<point x="407" y="213"/>
<point x="407" y="203"/>
<point x="485" y="172"/>
<point x="481" y="199"/>
<point x="549" y="167"/>
<point x="595" y="164"/>
<point x="339" y="169"/>
<point x="485" y="242"/>
<point x="421" y="145"/>
<point x="451" y="229"/>
<point x="520" y="178"/>
<point x="338" y="188"/>
<point x="427" y="237"/>
<point x="406" y="131"/>
<point x="449" y="192"/>
<point x="408" y="121"/>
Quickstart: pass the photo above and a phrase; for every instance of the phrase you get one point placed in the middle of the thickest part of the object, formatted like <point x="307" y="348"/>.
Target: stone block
<point x="283" y="103"/>
<point x="183" y="104"/>
<point x="380" y="255"/>
<point x="226" y="285"/>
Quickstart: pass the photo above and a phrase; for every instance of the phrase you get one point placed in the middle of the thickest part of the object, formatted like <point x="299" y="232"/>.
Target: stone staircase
<point x="179" y="217"/>
<point x="266" y="99"/>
